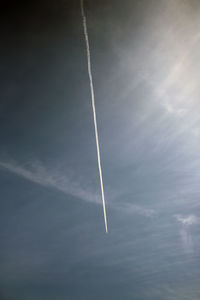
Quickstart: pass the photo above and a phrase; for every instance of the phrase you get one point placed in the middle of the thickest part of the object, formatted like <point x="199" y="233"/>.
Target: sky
<point x="145" y="64"/>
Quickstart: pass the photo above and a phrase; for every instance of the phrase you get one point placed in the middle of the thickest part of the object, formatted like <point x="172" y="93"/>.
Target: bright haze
<point x="145" y="59"/>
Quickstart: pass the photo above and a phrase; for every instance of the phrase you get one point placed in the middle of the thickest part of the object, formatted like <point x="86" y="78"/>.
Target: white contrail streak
<point x="94" y="110"/>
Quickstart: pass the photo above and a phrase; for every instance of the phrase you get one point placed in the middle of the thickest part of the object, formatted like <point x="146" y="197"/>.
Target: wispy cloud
<point x="35" y="171"/>
<point x="185" y="231"/>
<point x="178" y="88"/>
<point x="187" y="220"/>
<point x="130" y="208"/>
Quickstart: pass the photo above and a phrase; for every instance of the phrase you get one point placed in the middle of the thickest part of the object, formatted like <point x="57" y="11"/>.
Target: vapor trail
<point x="94" y="109"/>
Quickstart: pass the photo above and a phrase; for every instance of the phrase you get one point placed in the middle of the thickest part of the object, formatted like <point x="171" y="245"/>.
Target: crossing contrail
<point x="94" y="110"/>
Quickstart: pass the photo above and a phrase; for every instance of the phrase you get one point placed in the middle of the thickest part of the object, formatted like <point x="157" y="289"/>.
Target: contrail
<point x="94" y="110"/>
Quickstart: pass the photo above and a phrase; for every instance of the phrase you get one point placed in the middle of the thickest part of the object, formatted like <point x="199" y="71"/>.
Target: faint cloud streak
<point x="185" y="233"/>
<point x="36" y="172"/>
<point x="187" y="220"/>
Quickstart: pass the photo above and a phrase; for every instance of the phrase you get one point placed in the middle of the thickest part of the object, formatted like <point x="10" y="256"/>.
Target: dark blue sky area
<point x="145" y="63"/>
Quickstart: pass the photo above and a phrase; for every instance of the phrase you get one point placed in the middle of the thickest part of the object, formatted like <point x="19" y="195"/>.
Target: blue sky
<point x="145" y="63"/>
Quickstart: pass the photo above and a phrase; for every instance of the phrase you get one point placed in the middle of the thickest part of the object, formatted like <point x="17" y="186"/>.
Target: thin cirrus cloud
<point x="186" y="235"/>
<point x="174" y="59"/>
<point x="133" y="208"/>
<point x="187" y="220"/>
<point x="36" y="172"/>
<point x="179" y="79"/>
